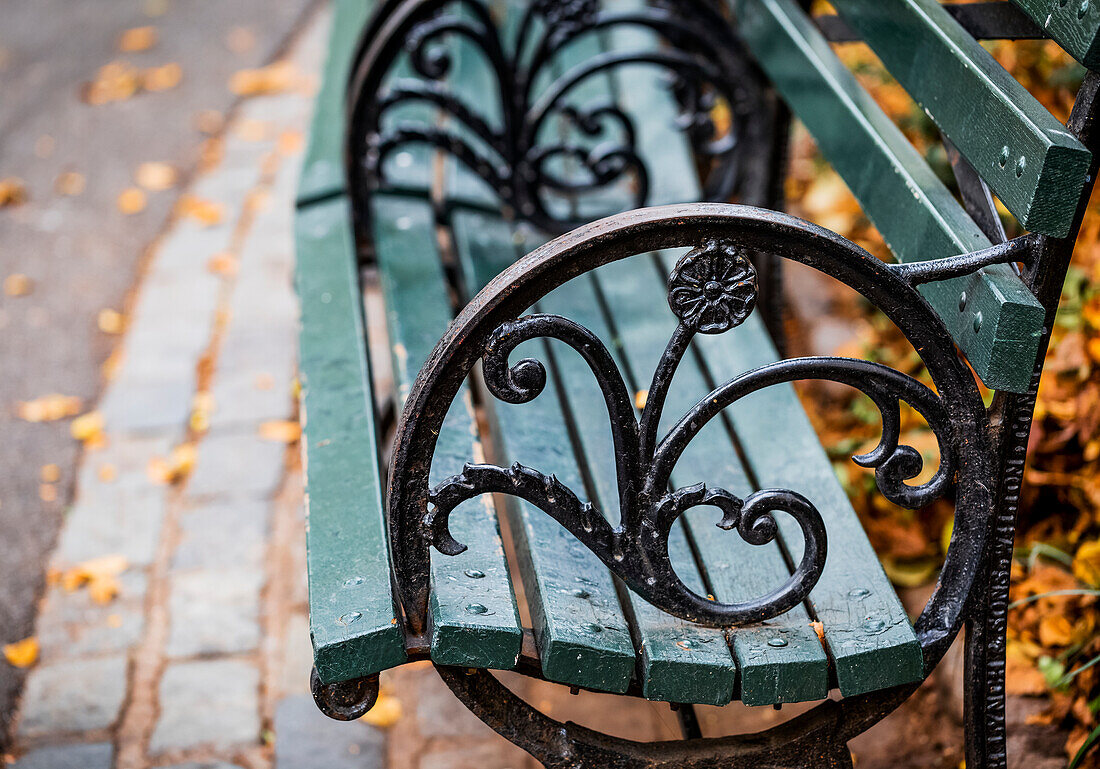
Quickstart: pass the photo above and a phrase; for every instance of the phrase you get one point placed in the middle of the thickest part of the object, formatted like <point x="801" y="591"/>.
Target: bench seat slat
<point x="867" y="631"/>
<point x="783" y="451"/>
<point x="980" y="107"/>
<point x="580" y="630"/>
<point x="913" y="210"/>
<point x="475" y="622"/>
<point x="348" y="551"/>
<point x="679" y="661"/>
<point x="1078" y="33"/>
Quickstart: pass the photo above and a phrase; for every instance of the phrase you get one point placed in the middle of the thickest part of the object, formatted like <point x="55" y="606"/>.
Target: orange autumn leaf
<point x="18" y="284"/>
<point x="386" y="712"/>
<point x="131" y="201"/>
<point x="175" y="467"/>
<point x="110" y="321"/>
<point x="137" y="39"/>
<point x="99" y="575"/>
<point x="156" y="176"/>
<point x="13" y="192"/>
<point x="48" y="408"/>
<point x="69" y="184"/>
<point x="88" y="428"/>
<point x="50" y="473"/>
<point x="162" y="78"/>
<point x="281" y="431"/>
<point x="116" y="81"/>
<point x="274" y="78"/>
<point x="22" y="654"/>
<point x="1086" y="563"/>
<point x="223" y="263"/>
<point x="206" y="212"/>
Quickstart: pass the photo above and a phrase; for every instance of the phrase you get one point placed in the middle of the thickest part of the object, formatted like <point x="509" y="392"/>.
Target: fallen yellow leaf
<point x="1086" y="564"/>
<point x="13" y="191"/>
<point x="137" y="39"/>
<point x="640" y="399"/>
<point x="99" y="574"/>
<point x="206" y="212"/>
<point x="110" y="321"/>
<point x="47" y="492"/>
<point x="274" y="78"/>
<point x="386" y="712"/>
<point x="156" y="176"/>
<point x="163" y="77"/>
<point x="116" y="81"/>
<point x="223" y="263"/>
<point x="282" y="431"/>
<point x="131" y="201"/>
<point x="18" y="284"/>
<point x="22" y="654"/>
<point x="69" y="183"/>
<point x="48" y="408"/>
<point x="175" y="467"/>
<point x="290" y="142"/>
<point x="50" y="473"/>
<point x="88" y="428"/>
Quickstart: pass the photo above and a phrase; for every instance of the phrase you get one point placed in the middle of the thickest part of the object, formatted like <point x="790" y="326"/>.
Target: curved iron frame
<point x="973" y="586"/>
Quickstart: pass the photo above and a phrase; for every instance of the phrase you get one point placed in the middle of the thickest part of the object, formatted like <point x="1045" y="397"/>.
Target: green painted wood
<point x="323" y="165"/>
<point x="867" y="632"/>
<point x="912" y="209"/>
<point x="781" y="660"/>
<point x="679" y="661"/>
<point x="353" y="619"/>
<point x="1029" y="159"/>
<point x="475" y="622"/>
<point x="580" y="630"/>
<point x="1074" y="25"/>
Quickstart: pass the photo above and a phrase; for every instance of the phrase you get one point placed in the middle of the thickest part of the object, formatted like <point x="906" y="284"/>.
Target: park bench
<point x="585" y="389"/>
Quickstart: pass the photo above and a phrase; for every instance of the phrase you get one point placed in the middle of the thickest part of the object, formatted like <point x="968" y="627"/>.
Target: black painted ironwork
<point x="534" y="141"/>
<point x="982" y="450"/>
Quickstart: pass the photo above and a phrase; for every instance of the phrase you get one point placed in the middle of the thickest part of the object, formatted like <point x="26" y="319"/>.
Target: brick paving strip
<point x="187" y="667"/>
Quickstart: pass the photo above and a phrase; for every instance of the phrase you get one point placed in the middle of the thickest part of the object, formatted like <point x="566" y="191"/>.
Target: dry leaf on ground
<point x="48" y="408"/>
<point x="50" y="473"/>
<point x="274" y="78"/>
<point x="116" y="81"/>
<point x="18" y="285"/>
<point x="88" y="428"/>
<point x="1086" y="564"/>
<point x="110" y="321"/>
<point x="13" y="191"/>
<point x="22" y="654"/>
<point x="386" y="712"/>
<point x="206" y="212"/>
<point x="162" y="78"/>
<point x="100" y="575"/>
<point x="223" y="263"/>
<point x="177" y="466"/>
<point x="156" y="176"/>
<point x="282" y="431"/>
<point x="137" y="39"/>
<point x="131" y="201"/>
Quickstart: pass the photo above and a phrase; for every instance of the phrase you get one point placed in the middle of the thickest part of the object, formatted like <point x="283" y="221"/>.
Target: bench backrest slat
<point x="999" y="324"/>
<point x="1076" y="31"/>
<point x="1034" y="165"/>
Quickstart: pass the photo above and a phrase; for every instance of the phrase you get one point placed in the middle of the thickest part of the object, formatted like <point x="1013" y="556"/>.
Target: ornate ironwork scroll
<point x="711" y="290"/>
<point x="533" y="138"/>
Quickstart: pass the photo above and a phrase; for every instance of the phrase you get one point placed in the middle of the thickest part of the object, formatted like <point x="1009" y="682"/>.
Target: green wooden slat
<point x="323" y="165"/>
<point x="910" y="207"/>
<point x="680" y="662"/>
<point x="473" y="609"/>
<point x="580" y="630"/>
<point x="867" y="631"/>
<point x="353" y="620"/>
<point x="1029" y="159"/>
<point x="736" y="571"/>
<point x="1074" y="25"/>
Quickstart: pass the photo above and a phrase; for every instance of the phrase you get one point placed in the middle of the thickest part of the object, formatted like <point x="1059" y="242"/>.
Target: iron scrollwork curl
<point x="711" y="290"/>
<point x="532" y="141"/>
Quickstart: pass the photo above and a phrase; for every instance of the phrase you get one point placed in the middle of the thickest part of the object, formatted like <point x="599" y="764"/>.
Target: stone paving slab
<point x="208" y="704"/>
<point x="81" y="756"/>
<point x="75" y="695"/>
